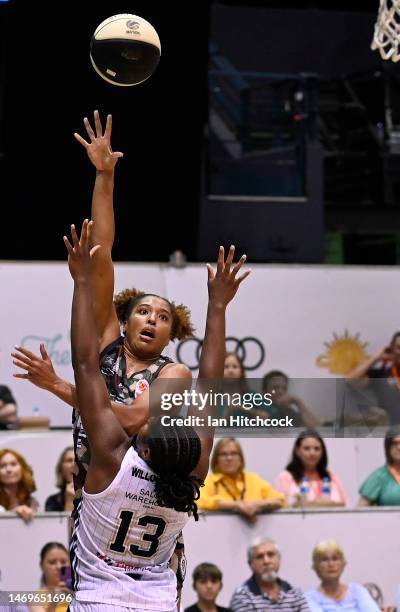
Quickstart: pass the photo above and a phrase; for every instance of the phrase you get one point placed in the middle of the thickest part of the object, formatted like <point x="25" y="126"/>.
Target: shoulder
<point x="334" y="477"/>
<point x="254" y="477"/>
<point x="212" y="478"/>
<point x="175" y="370"/>
<point x="315" y="601"/>
<point x="241" y="591"/>
<point x="363" y="597"/>
<point x="53" y="503"/>
<point x="295" y="593"/>
<point x="111" y="348"/>
<point x="285" y="476"/>
<point x="359" y="590"/>
<point x="251" y="475"/>
<point x="379" y="474"/>
<point x="6" y="395"/>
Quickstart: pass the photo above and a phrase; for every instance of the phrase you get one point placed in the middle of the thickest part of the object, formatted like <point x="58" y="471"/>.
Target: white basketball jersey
<point x="123" y="542"/>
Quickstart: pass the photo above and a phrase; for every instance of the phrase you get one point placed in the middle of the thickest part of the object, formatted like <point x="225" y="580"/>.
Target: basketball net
<point x="387" y="30"/>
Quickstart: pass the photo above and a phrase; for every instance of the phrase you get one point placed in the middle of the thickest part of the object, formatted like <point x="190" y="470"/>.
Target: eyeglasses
<point x="331" y="560"/>
<point x="224" y="455"/>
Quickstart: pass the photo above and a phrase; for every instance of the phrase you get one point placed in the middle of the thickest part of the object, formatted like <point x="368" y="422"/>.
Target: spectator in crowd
<point x="63" y="500"/>
<point x="235" y="384"/>
<point x="234" y="370"/>
<point x="306" y="481"/>
<point x="55" y="566"/>
<point x="8" y="409"/>
<point x="207" y="582"/>
<point x="17" y="485"/>
<point x="265" y="591"/>
<point x="384" y="366"/>
<point x="329" y="563"/>
<point x="230" y="487"/>
<point x="382" y="487"/>
<point x="276" y="383"/>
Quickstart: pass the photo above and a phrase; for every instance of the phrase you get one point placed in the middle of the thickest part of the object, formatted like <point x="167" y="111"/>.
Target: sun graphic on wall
<point x="343" y="353"/>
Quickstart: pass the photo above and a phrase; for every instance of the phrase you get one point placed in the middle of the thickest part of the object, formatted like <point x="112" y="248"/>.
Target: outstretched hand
<point x="79" y="252"/>
<point x="223" y="282"/>
<point x="39" y="370"/>
<point x="99" y="148"/>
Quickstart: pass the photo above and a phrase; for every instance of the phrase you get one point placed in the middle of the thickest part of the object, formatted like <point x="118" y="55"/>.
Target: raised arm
<point x="39" y="370"/>
<point x="361" y="371"/>
<point x="108" y="441"/>
<point x="104" y="160"/>
<point x="222" y="287"/>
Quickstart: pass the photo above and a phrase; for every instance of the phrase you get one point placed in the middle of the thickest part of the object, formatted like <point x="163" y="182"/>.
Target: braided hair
<point x="126" y="300"/>
<point x="174" y="453"/>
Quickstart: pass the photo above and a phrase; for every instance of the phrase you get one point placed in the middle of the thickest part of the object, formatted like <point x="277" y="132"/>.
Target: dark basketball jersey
<point x="121" y="389"/>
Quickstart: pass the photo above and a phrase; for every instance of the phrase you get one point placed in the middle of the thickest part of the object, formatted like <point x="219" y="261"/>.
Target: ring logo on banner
<point x="250" y="351"/>
<point x="343" y="353"/>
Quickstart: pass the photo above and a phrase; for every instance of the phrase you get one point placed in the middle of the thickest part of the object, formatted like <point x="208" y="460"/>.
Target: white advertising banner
<point x="312" y="321"/>
<point x="223" y="539"/>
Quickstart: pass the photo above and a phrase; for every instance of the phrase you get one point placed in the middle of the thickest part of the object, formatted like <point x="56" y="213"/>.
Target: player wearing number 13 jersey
<point x="135" y="500"/>
<point x="126" y="539"/>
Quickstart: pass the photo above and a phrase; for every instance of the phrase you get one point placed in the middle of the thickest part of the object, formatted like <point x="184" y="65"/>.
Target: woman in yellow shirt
<point x="230" y="487"/>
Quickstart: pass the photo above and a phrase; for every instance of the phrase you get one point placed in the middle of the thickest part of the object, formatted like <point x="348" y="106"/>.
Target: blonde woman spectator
<point x="306" y="479"/>
<point x="63" y="501"/>
<point x="17" y="485"/>
<point x="332" y="594"/>
<point x="230" y="487"/>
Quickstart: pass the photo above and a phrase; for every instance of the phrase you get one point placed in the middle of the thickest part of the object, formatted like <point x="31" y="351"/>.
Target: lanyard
<point x="232" y="495"/>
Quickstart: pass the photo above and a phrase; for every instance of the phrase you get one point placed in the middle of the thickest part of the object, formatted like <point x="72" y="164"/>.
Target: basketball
<point x="125" y="50"/>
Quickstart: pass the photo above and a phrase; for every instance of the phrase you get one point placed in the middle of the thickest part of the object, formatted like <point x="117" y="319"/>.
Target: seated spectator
<point x="382" y="487"/>
<point x="207" y="582"/>
<point x="8" y="409"/>
<point x="63" y="501"/>
<point x="384" y="369"/>
<point x="284" y="403"/>
<point x="230" y="487"/>
<point x="329" y="563"/>
<point x="235" y="384"/>
<point x="55" y="566"/>
<point x="17" y="485"/>
<point x="234" y="369"/>
<point x="306" y="481"/>
<point x="265" y="591"/>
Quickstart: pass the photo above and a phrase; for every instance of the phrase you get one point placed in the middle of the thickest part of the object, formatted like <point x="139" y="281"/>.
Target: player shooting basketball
<point x="121" y="546"/>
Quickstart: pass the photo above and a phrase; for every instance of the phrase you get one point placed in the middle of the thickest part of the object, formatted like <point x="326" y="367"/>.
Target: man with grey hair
<point x="265" y="591"/>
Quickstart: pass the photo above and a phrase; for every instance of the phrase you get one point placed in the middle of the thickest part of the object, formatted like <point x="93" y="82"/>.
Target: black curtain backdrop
<point x="49" y="85"/>
<point x="330" y="43"/>
<point x="46" y="178"/>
